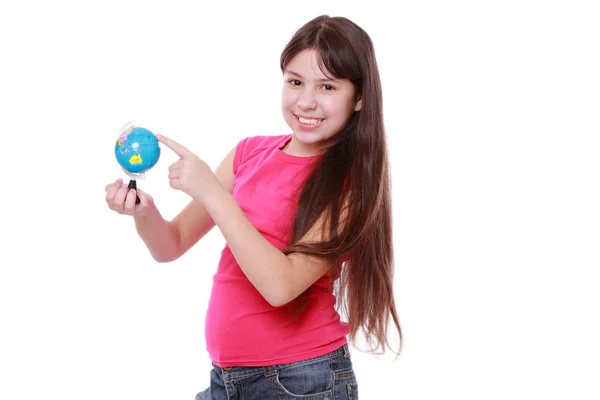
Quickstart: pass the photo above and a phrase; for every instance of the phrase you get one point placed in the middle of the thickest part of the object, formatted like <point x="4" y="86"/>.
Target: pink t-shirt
<point x="242" y="328"/>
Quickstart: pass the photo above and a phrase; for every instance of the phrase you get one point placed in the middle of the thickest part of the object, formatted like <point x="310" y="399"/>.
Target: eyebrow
<point x="301" y="77"/>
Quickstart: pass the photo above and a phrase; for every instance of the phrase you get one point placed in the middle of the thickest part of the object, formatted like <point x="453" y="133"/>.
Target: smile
<point x="309" y="121"/>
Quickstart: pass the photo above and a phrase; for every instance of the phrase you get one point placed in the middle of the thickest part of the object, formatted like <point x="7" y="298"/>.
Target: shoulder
<point x="255" y="146"/>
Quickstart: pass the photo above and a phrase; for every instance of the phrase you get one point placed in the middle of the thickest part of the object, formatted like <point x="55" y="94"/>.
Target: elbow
<point x="164" y="258"/>
<point x="276" y="302"/>
<point x="165" y="254"/>
<point x="277" y="298"/>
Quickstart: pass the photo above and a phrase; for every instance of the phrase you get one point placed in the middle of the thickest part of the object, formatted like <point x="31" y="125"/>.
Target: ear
<point x="358" y="105"/>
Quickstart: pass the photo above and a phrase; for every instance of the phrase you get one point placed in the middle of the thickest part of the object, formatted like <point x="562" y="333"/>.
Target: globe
<point x="137" y="149"/>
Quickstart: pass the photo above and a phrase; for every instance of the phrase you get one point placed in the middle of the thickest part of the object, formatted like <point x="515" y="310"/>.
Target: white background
<point x="492" y="112"/>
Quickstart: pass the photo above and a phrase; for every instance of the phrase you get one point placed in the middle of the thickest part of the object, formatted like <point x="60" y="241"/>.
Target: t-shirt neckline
<point x="280" y="154"/>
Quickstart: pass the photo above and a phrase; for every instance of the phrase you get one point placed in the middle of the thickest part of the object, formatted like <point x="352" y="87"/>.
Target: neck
<point x="298" y="149"/>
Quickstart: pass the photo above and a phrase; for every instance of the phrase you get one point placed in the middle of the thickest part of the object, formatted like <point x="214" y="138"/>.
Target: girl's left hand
<point x="190" y="174"/>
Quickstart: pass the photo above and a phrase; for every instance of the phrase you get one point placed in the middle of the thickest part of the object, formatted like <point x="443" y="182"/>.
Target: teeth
<point x="309" y="121"/>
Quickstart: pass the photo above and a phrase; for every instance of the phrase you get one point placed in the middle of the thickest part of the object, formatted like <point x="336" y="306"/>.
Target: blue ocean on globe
<point x="137" y="150"/>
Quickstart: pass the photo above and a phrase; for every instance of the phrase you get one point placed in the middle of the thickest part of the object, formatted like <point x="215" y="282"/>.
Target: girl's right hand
<point x="121" y="199"/>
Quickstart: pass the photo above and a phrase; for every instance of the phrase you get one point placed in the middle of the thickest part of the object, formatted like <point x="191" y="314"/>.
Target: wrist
<point x="210" y="191"/>
<point x="213" y="198"/>
<point x="146" y="213"/>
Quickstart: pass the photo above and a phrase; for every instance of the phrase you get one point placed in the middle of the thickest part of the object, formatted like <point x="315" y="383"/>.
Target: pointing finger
<point x="180" y="150"/>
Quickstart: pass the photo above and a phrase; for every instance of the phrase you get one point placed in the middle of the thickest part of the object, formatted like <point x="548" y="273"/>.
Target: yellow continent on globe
<point x="135" y="159"/>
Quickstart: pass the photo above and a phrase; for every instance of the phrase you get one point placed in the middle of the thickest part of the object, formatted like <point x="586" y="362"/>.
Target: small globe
<point x="137" y="150"/>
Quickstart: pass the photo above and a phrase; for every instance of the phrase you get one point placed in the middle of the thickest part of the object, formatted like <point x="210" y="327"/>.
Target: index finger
<point x="180" y="150"/>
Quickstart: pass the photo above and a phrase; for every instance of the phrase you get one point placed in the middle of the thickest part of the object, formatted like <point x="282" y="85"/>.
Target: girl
<point x="302" y="214"/>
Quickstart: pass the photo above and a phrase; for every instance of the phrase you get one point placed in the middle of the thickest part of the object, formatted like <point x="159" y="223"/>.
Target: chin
<point x="308" y="137"/>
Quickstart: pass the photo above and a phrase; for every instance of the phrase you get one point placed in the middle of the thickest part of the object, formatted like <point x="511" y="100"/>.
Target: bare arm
<point x="169" y="240"/>
<point x="279" y="278"/>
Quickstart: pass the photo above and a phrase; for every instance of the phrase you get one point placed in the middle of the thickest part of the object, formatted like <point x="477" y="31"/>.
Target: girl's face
<point x="314" y="106"/>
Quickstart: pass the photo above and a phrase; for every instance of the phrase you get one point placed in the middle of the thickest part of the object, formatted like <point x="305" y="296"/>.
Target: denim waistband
<point x="343" y="350"/>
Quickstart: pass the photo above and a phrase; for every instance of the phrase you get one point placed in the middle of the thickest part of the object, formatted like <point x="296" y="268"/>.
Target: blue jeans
<point x="328" y="377"/>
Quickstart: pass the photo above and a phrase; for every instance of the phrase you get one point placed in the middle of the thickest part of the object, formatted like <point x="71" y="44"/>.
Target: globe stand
<point x="133" y="178"/>
<point x="133" y="185"/>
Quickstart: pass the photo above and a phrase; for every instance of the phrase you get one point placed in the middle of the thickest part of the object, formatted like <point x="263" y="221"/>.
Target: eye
<point x="328" y="87"/>
<point x="295" y="82"/>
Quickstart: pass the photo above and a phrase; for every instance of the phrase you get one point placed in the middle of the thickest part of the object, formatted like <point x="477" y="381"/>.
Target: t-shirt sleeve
<point x="239" y="155"/>
<point x="251" y="147"/>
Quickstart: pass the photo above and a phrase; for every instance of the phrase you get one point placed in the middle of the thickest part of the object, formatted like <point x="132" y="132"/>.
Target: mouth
<point x="309" y="121"/>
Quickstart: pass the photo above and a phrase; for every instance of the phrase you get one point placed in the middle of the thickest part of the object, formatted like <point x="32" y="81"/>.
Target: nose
<point x="307" y="100"/>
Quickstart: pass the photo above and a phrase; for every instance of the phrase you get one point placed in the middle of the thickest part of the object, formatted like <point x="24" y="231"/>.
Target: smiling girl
<point x="307" y="221"/>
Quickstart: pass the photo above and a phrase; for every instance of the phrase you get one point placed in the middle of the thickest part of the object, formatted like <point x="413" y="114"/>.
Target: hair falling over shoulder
<point x="351" y="186"/>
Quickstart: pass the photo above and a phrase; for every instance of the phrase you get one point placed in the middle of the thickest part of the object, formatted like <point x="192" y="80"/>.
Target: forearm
<point x="159" y="236"/>
<point x="264" y="265"/>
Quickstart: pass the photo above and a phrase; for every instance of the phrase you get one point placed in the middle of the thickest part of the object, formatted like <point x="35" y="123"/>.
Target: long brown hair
<point x="352" y="180"/>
